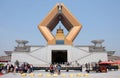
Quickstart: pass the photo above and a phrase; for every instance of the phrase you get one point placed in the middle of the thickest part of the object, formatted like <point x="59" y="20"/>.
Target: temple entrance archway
<point x="59" y="56"/>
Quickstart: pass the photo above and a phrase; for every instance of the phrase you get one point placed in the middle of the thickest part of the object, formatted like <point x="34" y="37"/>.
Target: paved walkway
<point x="64" y="74"/>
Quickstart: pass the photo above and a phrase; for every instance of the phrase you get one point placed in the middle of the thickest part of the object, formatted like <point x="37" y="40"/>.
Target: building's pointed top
<point x="59" y="3"/>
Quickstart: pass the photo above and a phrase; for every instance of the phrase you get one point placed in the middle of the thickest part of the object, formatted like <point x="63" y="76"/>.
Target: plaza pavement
<point x="64" y="74"/>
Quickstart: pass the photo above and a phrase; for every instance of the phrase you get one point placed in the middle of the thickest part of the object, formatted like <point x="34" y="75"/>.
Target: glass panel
<point x="59" y="41"/>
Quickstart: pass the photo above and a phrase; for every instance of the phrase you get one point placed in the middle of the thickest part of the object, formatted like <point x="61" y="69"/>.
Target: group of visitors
<point x="24" y="68"/>
<point x="55" y="68"/>
<point x="100" y="67"/>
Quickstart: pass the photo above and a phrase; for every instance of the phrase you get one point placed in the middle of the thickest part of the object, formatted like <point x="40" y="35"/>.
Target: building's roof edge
<point x="48" y="45"/>
<point x="83" y="45"/>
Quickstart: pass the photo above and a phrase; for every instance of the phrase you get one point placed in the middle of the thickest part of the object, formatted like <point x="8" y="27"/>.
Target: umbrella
<point x="117" y="62"/>
<point x="106" y="62"/>
<point x="3" y="61"/>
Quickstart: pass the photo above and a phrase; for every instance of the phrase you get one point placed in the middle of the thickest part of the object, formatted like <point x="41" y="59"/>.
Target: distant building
<point x="113" y="58"/>
<point x="6" y="58"/>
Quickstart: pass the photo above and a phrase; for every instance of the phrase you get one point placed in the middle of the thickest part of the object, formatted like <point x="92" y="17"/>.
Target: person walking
<point x="58" y="69"/>
<point x="51" y="69"/>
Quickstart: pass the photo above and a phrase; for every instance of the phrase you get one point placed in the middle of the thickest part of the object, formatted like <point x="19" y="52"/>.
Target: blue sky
<point x="19" y="20"/>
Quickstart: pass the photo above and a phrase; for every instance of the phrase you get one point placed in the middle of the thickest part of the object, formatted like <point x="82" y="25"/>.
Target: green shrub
<point x="1" y="64"/>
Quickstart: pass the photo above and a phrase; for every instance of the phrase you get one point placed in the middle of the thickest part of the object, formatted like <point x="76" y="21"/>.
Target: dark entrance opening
<point x="59" y="56"/>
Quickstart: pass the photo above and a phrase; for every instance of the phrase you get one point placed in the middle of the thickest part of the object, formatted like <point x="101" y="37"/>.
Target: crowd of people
<point x="56" y="68"/>
<point x="100" y="67"/>
<point x="24" y="68"/>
